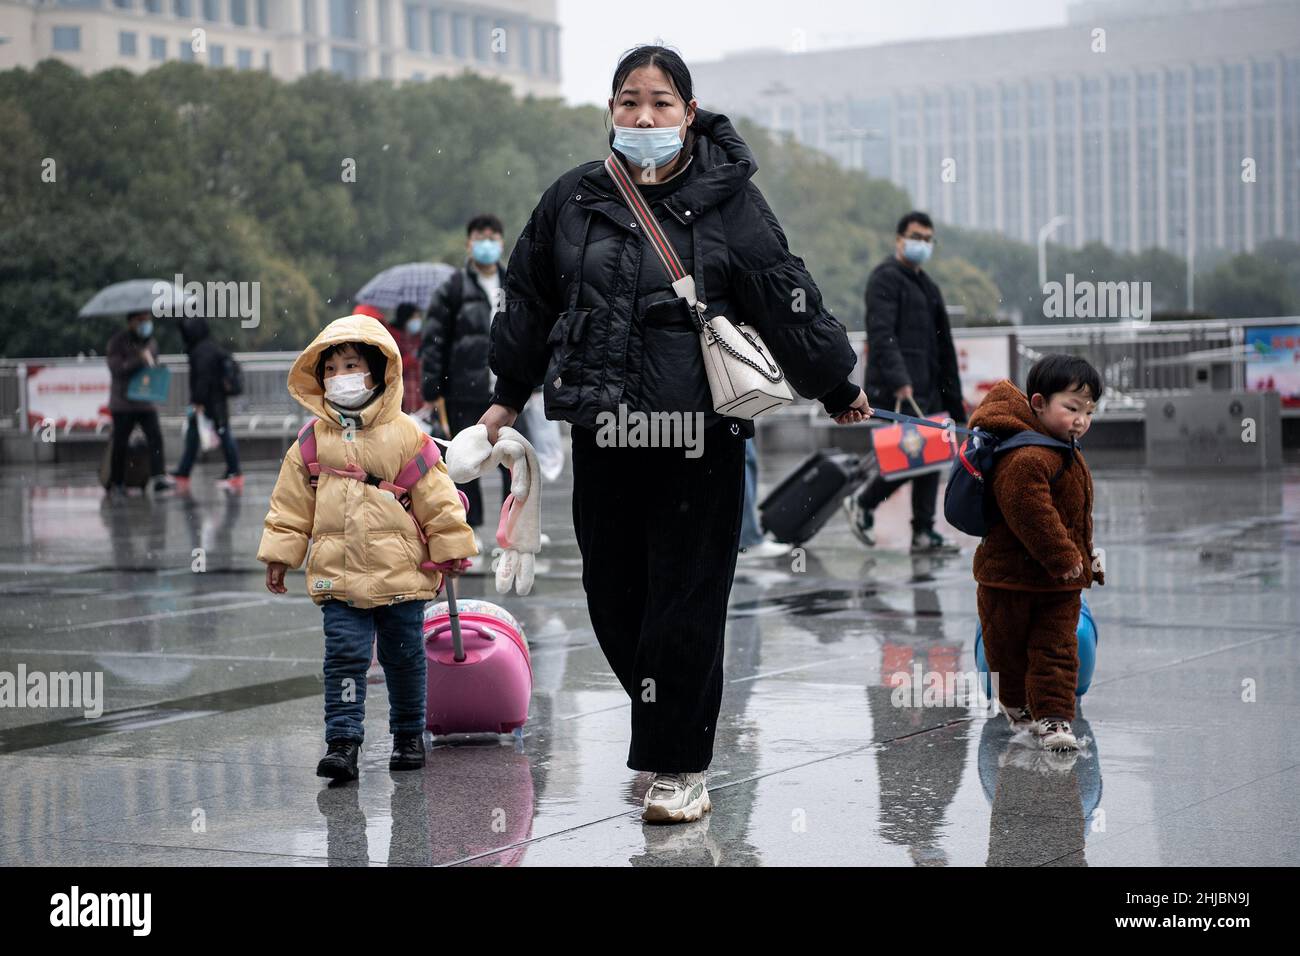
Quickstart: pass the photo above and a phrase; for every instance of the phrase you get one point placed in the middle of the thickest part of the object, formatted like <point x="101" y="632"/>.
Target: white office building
<point x="516" y="41"/>
<point x="1170" y="123"/>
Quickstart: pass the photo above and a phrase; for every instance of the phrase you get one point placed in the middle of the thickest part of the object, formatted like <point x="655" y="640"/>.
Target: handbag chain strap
<point x="773" y="372"/>
<point x="672" y="264"/>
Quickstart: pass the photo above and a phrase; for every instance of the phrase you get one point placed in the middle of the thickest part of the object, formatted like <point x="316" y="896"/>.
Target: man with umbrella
<point x="128" y="351"/>
<point x="406" y="288"/>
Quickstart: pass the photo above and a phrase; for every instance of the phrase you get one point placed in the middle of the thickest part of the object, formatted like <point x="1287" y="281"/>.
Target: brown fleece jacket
<point x="1046" y="526"/>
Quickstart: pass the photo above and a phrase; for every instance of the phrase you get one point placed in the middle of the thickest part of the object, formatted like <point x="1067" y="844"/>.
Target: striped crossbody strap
<point x="645" y="219"/>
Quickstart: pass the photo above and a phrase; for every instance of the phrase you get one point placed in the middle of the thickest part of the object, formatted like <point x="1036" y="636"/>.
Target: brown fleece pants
<point x="1030" y="643"/>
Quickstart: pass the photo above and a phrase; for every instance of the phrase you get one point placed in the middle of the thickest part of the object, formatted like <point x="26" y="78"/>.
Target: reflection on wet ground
<point x="211" y="726"/>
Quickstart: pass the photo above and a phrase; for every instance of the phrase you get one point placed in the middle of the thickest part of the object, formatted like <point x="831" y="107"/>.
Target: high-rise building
<point x="1170" y="123"/>
<point x="516" y="41"/>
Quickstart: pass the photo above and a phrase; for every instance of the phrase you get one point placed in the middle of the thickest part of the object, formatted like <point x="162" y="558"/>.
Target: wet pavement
<point x="206" y="749"/>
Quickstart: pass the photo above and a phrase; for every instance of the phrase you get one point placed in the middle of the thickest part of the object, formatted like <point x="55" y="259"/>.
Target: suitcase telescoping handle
<point x="457" y="646"/>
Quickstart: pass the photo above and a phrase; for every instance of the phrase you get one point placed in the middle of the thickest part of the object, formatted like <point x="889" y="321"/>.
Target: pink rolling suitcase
<point x="479" y="676"/>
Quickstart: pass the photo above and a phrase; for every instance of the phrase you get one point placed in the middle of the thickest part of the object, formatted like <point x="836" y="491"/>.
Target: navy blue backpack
<point x="968" y="503"/>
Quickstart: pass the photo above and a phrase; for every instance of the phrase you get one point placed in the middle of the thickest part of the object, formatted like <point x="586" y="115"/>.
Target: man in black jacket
<point x="454" y="347"/>
<point x="910" y="360"/>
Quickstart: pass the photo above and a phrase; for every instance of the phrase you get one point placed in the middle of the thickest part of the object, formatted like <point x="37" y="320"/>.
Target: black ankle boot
<point x="340" y="761"/>
<point x="408" y="752"/>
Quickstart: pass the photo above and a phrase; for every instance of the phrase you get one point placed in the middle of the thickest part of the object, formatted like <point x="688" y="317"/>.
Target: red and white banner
<point x="983" y="361"/>
<point x="69" y="396"/>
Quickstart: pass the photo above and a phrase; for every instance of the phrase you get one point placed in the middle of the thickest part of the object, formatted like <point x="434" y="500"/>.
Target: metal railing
<point x="265" y="407"/>
<point x="1135" y="363"/>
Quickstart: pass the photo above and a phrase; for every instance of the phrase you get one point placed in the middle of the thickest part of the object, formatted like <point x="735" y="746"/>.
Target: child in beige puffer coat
<point x="365" y="564"/>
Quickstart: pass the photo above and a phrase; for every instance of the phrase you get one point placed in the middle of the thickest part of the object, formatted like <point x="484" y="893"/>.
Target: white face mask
<point x="348" y="391"/>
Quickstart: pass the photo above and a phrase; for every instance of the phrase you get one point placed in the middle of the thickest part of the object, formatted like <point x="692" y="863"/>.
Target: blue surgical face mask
<point x="414" y="324"/>
<point x="650" y="146"/>
<point x="917" y="251"/>
<point x="486" y="251"/>
<point x="145" y="329"/>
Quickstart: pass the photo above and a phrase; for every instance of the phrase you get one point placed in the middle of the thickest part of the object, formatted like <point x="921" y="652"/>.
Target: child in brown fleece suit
<point x="1033" y="564"/>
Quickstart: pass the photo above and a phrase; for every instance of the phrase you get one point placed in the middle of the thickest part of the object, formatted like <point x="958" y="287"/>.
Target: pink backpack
<point x="400" y="487"/>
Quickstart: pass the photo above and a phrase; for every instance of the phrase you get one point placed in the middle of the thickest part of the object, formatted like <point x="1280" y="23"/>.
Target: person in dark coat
<point x="128" y="351"/>
<point x="207" y="397"/>
<point x="454" y="347"/>
<point x="589" y="314"/>
<point x="406" y="329"/>
<point x="911" y="366"/>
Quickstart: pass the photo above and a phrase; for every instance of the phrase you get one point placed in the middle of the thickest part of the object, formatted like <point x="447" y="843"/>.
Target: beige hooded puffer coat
<point x="364" y="547"/>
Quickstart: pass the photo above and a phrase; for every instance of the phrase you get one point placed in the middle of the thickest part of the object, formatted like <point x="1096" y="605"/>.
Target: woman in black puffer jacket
<point x="589" y="313"/>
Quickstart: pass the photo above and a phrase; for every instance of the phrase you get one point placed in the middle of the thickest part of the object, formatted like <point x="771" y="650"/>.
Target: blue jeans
<point x="349" y="635"/>
<point x="228" y="447"/>
<point x="750" y="531"/>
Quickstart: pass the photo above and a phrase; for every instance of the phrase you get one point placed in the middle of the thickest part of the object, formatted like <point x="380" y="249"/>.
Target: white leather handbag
<point x="744" y="379"/>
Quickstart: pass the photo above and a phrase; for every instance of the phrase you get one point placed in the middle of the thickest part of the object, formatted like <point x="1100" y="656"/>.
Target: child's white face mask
<point x="348" y="391"/>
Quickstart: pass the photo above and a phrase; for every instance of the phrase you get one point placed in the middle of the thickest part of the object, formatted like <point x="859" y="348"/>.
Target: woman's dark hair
<point x="1058" y="372"/>
<point x="484" y="221"/>
<point x="405" y="311"/>
<point x="671" y="62"/>
<point x="373" y="355"/>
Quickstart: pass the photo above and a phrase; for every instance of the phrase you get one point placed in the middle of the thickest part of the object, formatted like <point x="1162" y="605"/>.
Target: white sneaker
<point x="1017" y="717"/>
<point x="544" y="539"/>
<point x="767" y="548"/>
<point x="676" y="798"/>
<point x="1055" y="734"/>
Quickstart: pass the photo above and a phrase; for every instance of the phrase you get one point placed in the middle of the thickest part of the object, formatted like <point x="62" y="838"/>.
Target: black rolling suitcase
<point x="135" y="473"/>
<point x="797" y="508"/>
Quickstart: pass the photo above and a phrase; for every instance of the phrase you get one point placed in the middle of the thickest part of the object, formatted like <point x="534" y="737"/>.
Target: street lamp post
<point x="1043" y="233"/>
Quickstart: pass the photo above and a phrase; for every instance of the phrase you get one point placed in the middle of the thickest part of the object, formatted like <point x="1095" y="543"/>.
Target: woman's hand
<point x="859" y="411"/>
<point x="496" y="417"/>
<point x="275" y="577"/>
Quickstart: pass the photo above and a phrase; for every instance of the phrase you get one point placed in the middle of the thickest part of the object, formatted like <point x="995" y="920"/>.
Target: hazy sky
<point x="593" y="34"/>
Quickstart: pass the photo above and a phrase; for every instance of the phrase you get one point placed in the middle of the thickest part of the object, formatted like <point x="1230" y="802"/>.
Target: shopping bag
<point x="906" y="449"/>
<point x="433" y="422"/>
<point x="209" y="440"/>
<point x="544" y="435"/>
<point x="150" y="384"/>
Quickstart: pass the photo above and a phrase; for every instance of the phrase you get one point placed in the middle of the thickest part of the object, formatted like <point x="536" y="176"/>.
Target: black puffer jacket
<point x="207" y="367"/>
<point x="622" y="335"/>
<point x="909" y="342"/>
<point x="454" y="347"/>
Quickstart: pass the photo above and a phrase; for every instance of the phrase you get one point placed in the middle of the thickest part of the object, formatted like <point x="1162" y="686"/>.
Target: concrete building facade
<point x="1168" y="123"/>
<point x="400" y="40"/>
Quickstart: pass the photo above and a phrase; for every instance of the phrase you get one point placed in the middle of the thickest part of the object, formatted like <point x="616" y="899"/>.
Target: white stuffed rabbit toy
<point x="469" y="456"/>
